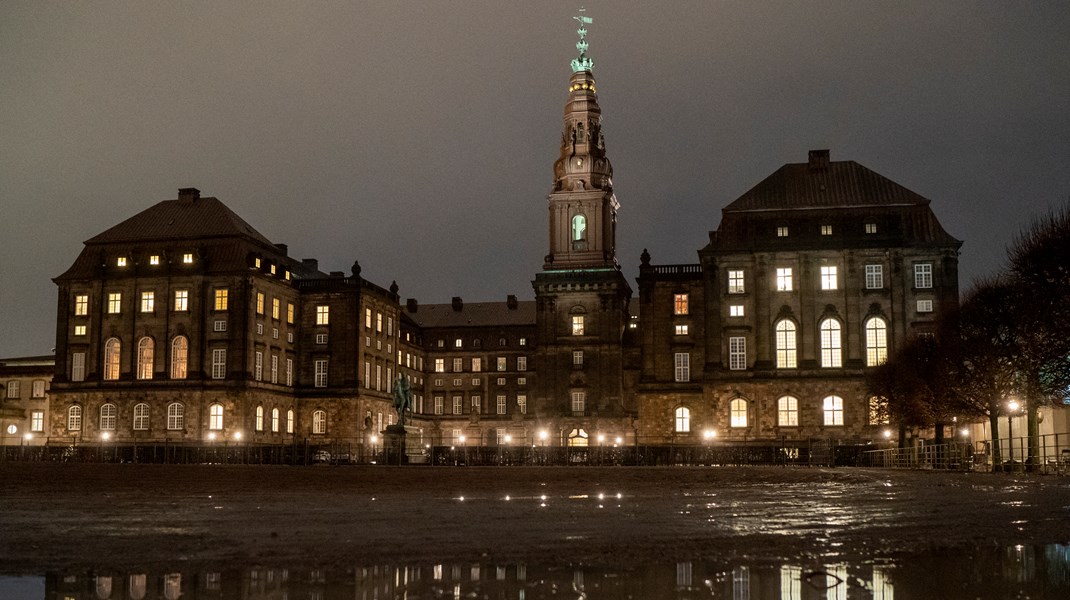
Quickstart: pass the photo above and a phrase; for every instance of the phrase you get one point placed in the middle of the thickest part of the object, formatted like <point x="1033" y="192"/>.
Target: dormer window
<point x="826" y="230"/>
<point x="256" y="263"/>
<point x="871" y="228"/>
<point x="287" y="277"/>
<point x="273" y="269"/>
<point x="154" y="259"/>
<point x="187" y="258"/>
<point x="782" y="231"/>
<point x="121" y="261"/>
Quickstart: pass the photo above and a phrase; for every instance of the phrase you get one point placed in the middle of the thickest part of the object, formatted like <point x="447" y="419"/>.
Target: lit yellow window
<point x="679" y="304"/>
<point x="115" y="302"/>
<point x="154" y="259"/>
<point x="289" y="313"/>
<point x="275" y="304"/>
<point x="181" y="300"/>
<point x="221" y="299"/>
<point x="256" y="262"/>
<point x="148" y="301"/>
<point x="323" y="315"/>
<point x="81" y="305"/>
<point x="260" y="303"/>
<point x="121" y="261"/>
<point x="187" y="258"/>
<point x="577" y="325"/>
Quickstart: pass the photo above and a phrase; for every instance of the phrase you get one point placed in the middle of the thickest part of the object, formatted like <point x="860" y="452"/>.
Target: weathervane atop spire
<point x="582" y="62"/>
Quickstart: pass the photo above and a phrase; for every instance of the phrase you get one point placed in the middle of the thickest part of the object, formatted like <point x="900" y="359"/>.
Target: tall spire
<point x="583" y="208"/>
<point x="582" y="62"/>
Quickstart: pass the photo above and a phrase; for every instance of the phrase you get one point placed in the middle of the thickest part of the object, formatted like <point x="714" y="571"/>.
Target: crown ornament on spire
<point x="582" y="62"/>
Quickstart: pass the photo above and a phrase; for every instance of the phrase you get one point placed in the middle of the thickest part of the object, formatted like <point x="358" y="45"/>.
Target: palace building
<point x="184" y="325"/>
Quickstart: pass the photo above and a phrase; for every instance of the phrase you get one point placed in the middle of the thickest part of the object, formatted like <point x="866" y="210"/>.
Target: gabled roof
<point x="186" y="218"/>
<point x="474" y="314"/>
<point x="821" y="183"/>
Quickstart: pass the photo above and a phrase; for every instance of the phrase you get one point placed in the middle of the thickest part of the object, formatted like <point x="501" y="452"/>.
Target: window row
<point x="276" y="310"/>
<point x="176" y="418"/>
<point x="379" y="320"/>
<point x="475" y="403"/>
<point x="179" y="367"/>
<point x="788" y="412"/>
<point x="826" y="230"/>
<point x="501" y="363"/>
<point x="458" y="382"/>
<point x="478" y="343"/>
<point x="830" y="343"/>
<point x="13" y="389"/>
<point x="154" y="260"/>
<point x="828" y="279"/>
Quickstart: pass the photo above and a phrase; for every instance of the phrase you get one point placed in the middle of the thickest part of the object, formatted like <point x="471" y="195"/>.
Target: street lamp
<point x="1012" y="407"/>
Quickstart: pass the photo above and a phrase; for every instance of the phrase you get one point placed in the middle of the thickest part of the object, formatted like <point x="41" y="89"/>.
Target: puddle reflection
<point x="1016" y="571"/>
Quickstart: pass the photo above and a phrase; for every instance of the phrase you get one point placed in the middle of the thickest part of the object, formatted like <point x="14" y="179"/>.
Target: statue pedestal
<point x="403" y="445"/>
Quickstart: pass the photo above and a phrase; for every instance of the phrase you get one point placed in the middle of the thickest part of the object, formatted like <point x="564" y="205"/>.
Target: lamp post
<point x="104" y="437"/>
<point x="464" y="447"/>
<point x="1012" y="407"/>
<point x="543" y="437"/>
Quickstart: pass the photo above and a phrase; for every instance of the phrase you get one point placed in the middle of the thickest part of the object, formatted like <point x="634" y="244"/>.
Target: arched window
<point x="290" y="421"/>
<point x="259" y="424"/>
<point x="141" y="416"/>
<point x="785" y="345"/>
<point x="103" y="586"/>
<point x="833" y="408"/>
<point x="215" y="417"/>
<point x="179" y="357"/>
<point x="275" y="420"/>
<point x="176" y="416"/>
<point x="112" y="349"/>
<point x="683" y="420"/>
<point x="145" y="351"/>
<point x="738" y="409"/>
<point x="876" y="342"/>
<point x="579" y="228"/>
<point x="831" y="354"/>
<point x="319" y="422"/>
<point x="137" y="587"/>
<point x="577" y="438"/>
<point x="107" y="417"/>
<point x="74" y="418"/>
<point x="787" y="411"/>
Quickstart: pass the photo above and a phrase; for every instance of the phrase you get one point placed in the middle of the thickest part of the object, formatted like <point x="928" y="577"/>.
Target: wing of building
<point x="184" y="326"/>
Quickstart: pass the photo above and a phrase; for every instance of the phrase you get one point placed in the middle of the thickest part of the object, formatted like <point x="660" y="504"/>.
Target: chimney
<point x="457" y="304"/>
<point x="510" y="301"/>
<point x="819" y="159"/>
<point x="311" y="263"/>
<point x="188" y="194"/>
<point x="411" y="305"/>
<point x="283" y="248"/>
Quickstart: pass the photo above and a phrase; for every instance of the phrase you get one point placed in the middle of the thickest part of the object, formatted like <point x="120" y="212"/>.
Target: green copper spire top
<point x="582" y="62"/>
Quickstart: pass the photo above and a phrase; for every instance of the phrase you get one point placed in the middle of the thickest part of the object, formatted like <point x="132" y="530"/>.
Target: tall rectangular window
<point x="14" y="389"/>
<point x="477" y="365"/>
<point x="833" y="409"/>
<point x="323" y="315"/>
<point x="439" y="402"/>
<point x="37" y="421"/>
<point x="735" y="281"/>
<point x="579" y="402"/>
<point x="290" y="372"/>
<point x="260" y="303"/>
<point x="788" y="412"/>
<point x="115" y="302"/>
<point x="221" y="298"/>
<point x="522" y="403"/>
<point x="379" y="377"/>
<point x="290" y="313"/>
<point x="577" y="325"/>
<point x="783" y="279"/>
<point x="378" y="322"/>
<point x="737" y="353"/>
<point x="521" y="363"/>
<point x="37" y="389"/>
<point x="440" y="365"/>
<point x="458" y="365"/>
<point x="682" y="366"/>
<point x="458" y="405"/>
<point x="181" y="300"/>
<point x="276" y="307"/>
<point x="874" y="277"/>
<point x="923" y="275"/>
<point x="367" y="318"/>
<point x="828" y="278"/>
<point x="501" y="363"/>
<point x="258" y="367"/>
<point x="78" y="366"/>
<point x="219" y="363"/>
<point x="81" y="305"/>
<point x="679" y="304"/>
<point x="577" y="358"/>
<point x="274" y="368"/>
<point x="148" y="301"/>
<point x="499" y="404"/>
<point x="321" y="373"/>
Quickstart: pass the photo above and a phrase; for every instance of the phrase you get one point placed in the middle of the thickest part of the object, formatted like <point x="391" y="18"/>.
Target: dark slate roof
<point x="181" y="219"/>
<point x="821" y="183"/>
<point x="474" y="314"/>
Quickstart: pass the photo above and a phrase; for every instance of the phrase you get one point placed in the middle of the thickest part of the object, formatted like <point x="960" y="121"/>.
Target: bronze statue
<point x="402" y="398"/>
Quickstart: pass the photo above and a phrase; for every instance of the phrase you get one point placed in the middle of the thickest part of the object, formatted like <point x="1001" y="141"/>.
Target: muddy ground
<point x="59" y="516"/>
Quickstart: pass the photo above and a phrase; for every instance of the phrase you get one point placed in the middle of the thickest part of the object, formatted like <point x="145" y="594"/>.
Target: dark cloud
<point x="418" y="137"/>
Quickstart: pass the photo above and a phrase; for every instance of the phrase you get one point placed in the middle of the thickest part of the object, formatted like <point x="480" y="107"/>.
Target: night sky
<point x="419" y="137"/>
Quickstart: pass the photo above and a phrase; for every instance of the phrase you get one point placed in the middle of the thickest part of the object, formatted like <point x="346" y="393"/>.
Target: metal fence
<point x="1050" y="455"/>
<point x="814" y="452"/>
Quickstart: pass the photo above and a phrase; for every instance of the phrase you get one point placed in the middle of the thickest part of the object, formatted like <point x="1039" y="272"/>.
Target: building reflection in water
<point x="1042" y="571"/>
